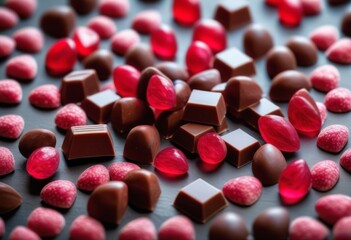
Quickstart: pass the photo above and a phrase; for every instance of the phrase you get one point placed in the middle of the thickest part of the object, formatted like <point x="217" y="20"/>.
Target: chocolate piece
<point x="205" y="107"/>
<point x="108" y="202"/>
<point x="346" y="23"/>
<point x="168" y="122"/>
<point x="304" y="50"/>
<point x="205" y="80"/>
<point x="142" y="144"/>
<point x="241" y="147"/>
<point x="34" y="139"/>
<point x="280" y="59"/>
<point x="267" y="164"/>
<point x="143" y="189"/>
<point x="272" y="223"/>
<point x="188" y="134"/>
<point x="102" y="61"/>
<point x="200" y="200"/>
<point x="58" y="22"/>
<point x="228" y="226"/>
<point x="173" y="70"/>
<point x="219" y="88"/>
<point x="222" y="127"/>
<point x="257" y="41"/>
<point x="78" y="85"/>
<point x="10" y="199"/>
<point x="98" y="106"/>
<point x="337" y="2"/>
<point x="140" y="56"/>
<point x="129" y="112"/>
<point x="233" y="14"/>
<point x="88" y="141"/>
<point x="144" y="79"/>
<point x="285" y="84"/>
<point x="183" y="92"/>
<point x="83" y="6"/>
<point x="232" y="62"/>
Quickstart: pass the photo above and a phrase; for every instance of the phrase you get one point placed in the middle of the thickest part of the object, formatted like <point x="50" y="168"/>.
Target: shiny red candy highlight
<point x="125" y="79"/>
<point x="87" y="41"/>
<point x="43" y="162"/>
<point x="164" y="42"/>
<point x="198" y="57"/>
<point x="211" y="148"/>
<point x="171" y="161"/>
<point x="290" y="12"/>
<point x="186" y="12"/>
<point x="160" y="93"/>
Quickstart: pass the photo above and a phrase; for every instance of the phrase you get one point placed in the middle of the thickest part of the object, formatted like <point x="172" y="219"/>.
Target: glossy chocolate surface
<point x="183" y="92"/>
<point x="205" y="80"/>
<point x="101" y="61"/>
<point x="257" y="41"/>
<point x="140" y="56"/>
<point x="173" y="70"/>
<point x="10" y="198"/>
<point x="306" y="53"/>
<point x="83" y="6"/>
<point x="168" y="122"/>
<point x="228" y="226"/>
<point x="34" y="139"/>
<point x="144" y="79"/>
<point x="280" y="59"/>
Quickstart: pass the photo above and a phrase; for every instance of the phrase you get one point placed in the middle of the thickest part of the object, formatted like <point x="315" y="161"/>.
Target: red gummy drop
<point x="290" y="12"/>
<point x="186" y="12"/>
<point x="198" y="57"/>
<point x="171" y="161"/>
<point x="126" y="78"/>
<point x="164" y="42"/>
<point x="160" y="93"/>
<point x="295" y="182"/>
<point x="211" y="148"/>
<point x="87" y="41"/>
<point x="43" y="162"/>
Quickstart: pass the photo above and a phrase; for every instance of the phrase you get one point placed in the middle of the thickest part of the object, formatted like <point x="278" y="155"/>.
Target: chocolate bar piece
<point x="101" y="61"/>
<point x="168" y="122"/>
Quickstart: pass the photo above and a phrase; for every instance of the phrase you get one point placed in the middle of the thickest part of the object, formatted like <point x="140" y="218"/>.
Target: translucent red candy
<point x="211" y="148"/>
<point x="61" y="57"/>
<point x="186" y="12"/>
<point x="279" y="132"/>
<point x="126" y="78"/>
<point x="164" y="42"/>
<point x="171" y="161"/>
<point x="198" y="57"/>
<point x="295" y="182"/>
<point x="160" y="93"/>
<point x="87" y="41"/>
<point x="290" y="12"/>
<point x="43" y="162"/>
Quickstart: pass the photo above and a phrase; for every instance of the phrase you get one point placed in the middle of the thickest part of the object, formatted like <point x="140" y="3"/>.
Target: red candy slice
<point x="87" y="41"/>
<point x="322" y="111"/>
<point x="164" y="42"/>
<point x="186" y="12"/>
<point x="171" y="161"/>
<point x="160" y="93"/>
<point x="45" y="96"/>
<point x="338" y="100"/>
<point x="325" y="174"/>
<point x="10" y="91"/>
<point x="43" y="163"/>
<point x="290" y="12"/>
<point x="211" y="148"/>
<point x="333" y="138"/>
<point x="59" y="193"/>
<point x="146" y="21"/>
<point x="125" y="79"/>
<point x="198" y="57"/>
<point x="332" y="208"/>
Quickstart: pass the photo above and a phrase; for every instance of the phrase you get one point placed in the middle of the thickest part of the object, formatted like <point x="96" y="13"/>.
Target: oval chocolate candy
<point x="279" y="59"/>
<point x="257" y="41"/>
<point x="305" y="51"/>
<point x="10" y="199"/>
<point x="35" y="139"/>
<point x="228" y="226"/>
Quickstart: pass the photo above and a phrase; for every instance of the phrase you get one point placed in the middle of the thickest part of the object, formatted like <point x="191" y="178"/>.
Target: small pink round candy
<point x="8" y="18"/>
<point x="126" y="78"/>
<point x="22" y="232"/>
<point x="345" y="160"/>
<point x="341" y="230"/>
<point x="340" y="51"/>
<point x="177" y="227"/>
<point x="22" y="67"/>
<point x="211" y="148"/>
<point x="146" y="21"/>
<point x="338" y="100"/>
<point x="114" y="8"/>
<point x="139" y="228"/>
<point x="29" y="39"/>
<point x="24" y="9"/>
<point x="325" y="78"/>
<point x="7" y="162"/>
<point x="171" y="161"/>
<point x="325" y="174"/>
<point x="160" y="93"/>
<point x="122" y="41"/>
<point x="119" y="170"/>
<point x="333" y="138"/>
<point x="102" y="25"/>
<point x="7" y="45"/>
<point x="43" y="162"/>
<point x="198" y="57"/>
<point x="85" y="227"/>
<point x="324" y="36"/>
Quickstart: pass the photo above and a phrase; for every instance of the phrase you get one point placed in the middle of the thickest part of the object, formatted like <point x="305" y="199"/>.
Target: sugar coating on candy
<point x="211" y="148"/>
<point x="324" y="36"/>
<point x="114" y="8"/>
<point x="7" y="162"/>
<point x="24" y="9"/>
<point x="140" y="228"/>
<point x="11" y="126"/>
<point x="122" y="41"/>
<point x="43" y="162"/>
<point x="45" y="96"/>
<point x="10" y="91"/>
<point x="307" y="228"/>
<point x="338" y="100"/>
<point x="340" y="51"/>
<point x="345" y="160"/>
<point x="8" y="18"/>
<point x="23" y="233"/>
<point x="146" y="21"/>
<point x="92" y="177"/>
<point x="322" y="111"/>
<point x="46" y="222"/>
<point x="177" y="227"/>
<point x="85" y="227"/>
<point x="342" y="230"/>
<point x="332" y="208"/>
<point x="325" y="78"/>
<point x="325" y="174"/>
<point x="103" y="26"/>
<point x="160" y="93"/>
<point x="171" y="161"/>
<point x="119" y="170"/>
<point x="59" y="193"/>
<point x="22" y="67"/>
<point x="311" y="7"/>
<point x="70" y="115"/>
<point x="7" y="45"/>
<point x="333" y="138"/>
<point x="29" y="39"/>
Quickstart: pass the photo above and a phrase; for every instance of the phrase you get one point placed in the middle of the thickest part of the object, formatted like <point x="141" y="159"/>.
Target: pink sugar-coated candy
<point x="11" y="126"/>
<point x="23" y="233"/>
<point x="164" y="43"/>
<point x="122" y="41"/>
<point x="338" y="100"/>
<point x="7" y="162"/>
<point x="125" y="79"/>
<point x="324" y="36"/>
<point x="290" y="12"/>
<point x="146" y="21"/>
<point x="340" y="51"/>
<point x="325" y="175"/>
<point x="22" y="67"/>
<point x="325" y="78"/>
<point x="345" y="160"/>
<point x="87" y="41"/>
<point x="103" y="26"/>
<point x="171" y="161"/>
<point x="332" y="208"/>
<point x="119" y="170"/>
<point x="2" y="227"/>
<point x="160" y="93"/>
<point x="244" y="190"/>
<point x="322" y="111"/>
<point x="333" y="138"/>
<point x="8" y="18"/>
<point x="139" y="228"/>
<point x="177" y="227"/>
<point x="198" y="57"/>
<point x="70" y="115"/>
<point x="59" y="193"/>
<point x="46" y="96"/>
<point x="186" y="12"/>
<point x="307" y="228"/>
<point x="29" y="39"/>
<point x="24" y="9"/>
<point x="211" y="148"/>
<point x="294" y="182"/>
<point x="7" y="45"/>
<point x="342" y="230"/>
<point x="46" y="222"/>
<point x="43" y="162"/>
<point x="92" y="177"/>
<point x="311" y="7"/>
<point x="114" y="8"/>
<point x="85" y="227"/>
<point x="10" y="91"/>
<point x="279" y="132"/>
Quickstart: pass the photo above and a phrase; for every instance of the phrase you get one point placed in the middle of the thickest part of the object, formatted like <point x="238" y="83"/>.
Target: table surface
<point x="37" y="118"/>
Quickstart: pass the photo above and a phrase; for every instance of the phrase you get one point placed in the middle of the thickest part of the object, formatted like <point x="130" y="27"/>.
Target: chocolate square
<point x="168" y="122"/>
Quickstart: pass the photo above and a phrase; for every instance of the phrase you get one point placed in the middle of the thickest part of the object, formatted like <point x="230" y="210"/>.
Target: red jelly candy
<point x="126" y="78"/>
<point x="164" y="42"/>
<point x="290" y="12"/>
<point x="212" y="33"/>
<point x="43" y="162"/>
<point x="87" y="41"/>
<point x="186" y="12"/>
<point x="160" y="93"/>
<point x="198" y="57"/>
<point x="211" y="148"/>
<point x="295" y="182"/>
<point x="171" y="161"/>
<point x="61" y="57"/>
<point x="279" y="132"/>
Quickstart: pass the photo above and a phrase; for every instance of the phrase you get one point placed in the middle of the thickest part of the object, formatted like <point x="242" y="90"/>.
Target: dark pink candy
<point x="311" y="7"/>
<point x="122" y="41"/>
<point x="325" y="78"/>
<point x="114" y="8"/>
<point x="198" y="57"/>
<point x="8" y="18"/>
<point x="160" y="93"/>
<point x="324" y="36"/>
<point x="24" y="9"/>
<point x="164" y="42"/>
<point x="333" y="138"/>
<point x="345" y="160"/>
<point x="146" y="21"/>
<point x="7" y="45"/>
<point x="186" y="12"/>
<point x="43" y="162"/>
<point x="340" y="51"/>
<point x="211" y="148"/>
<point x="290" y="12"/>
<point x="126" y="78"/>
<point x="119" y="170"/>
<point x="338" y="100"/>
<point x="29" y="39"/>
<point x="171" y="161"/>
